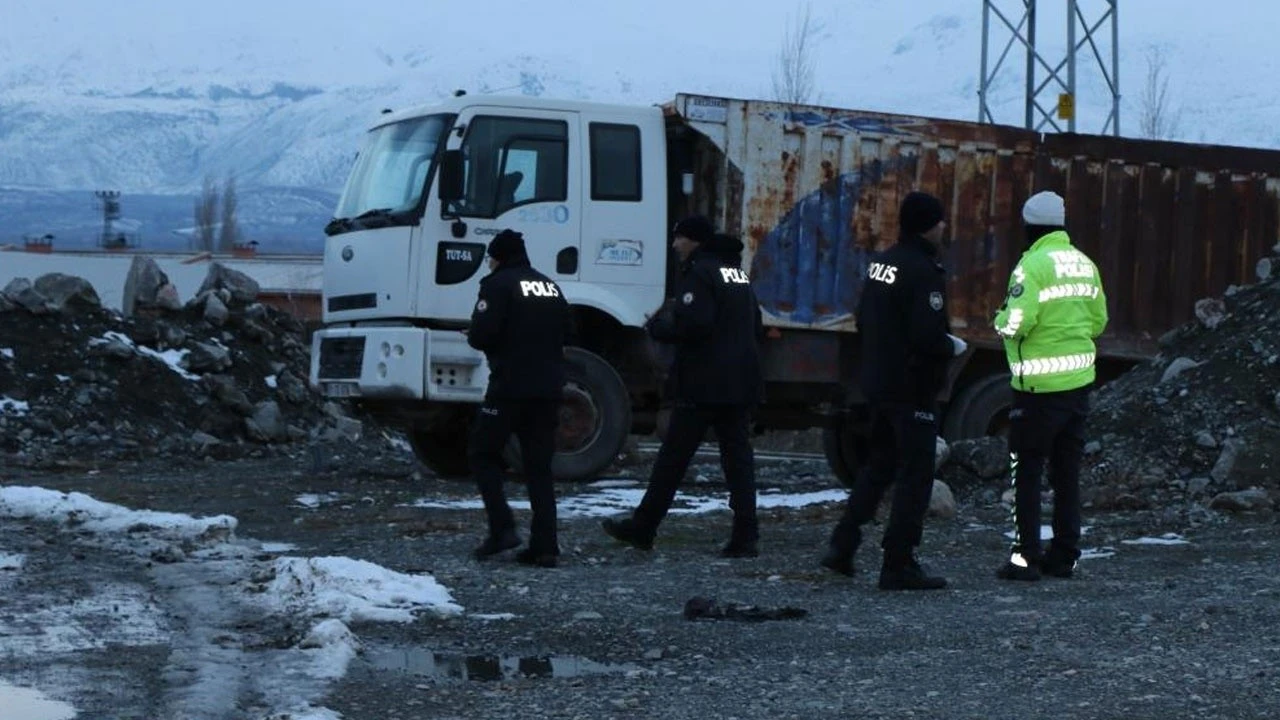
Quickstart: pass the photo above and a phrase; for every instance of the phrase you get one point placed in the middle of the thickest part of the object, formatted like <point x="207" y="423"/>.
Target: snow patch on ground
<point x="355" y="590"/>
<point x="1165" y="539"/>
<point x="87" y="514"/>
<point x="207" y="584"/>
<point x="1097" y="553"/>
<point x="1046" y="532"/>
<point x="612" y="499"/>
<point x="26" y="704"/>
<point x="111" y="614"/>
<point x="313" y="500"/>
<point x="14" y="407"/>
<point x="171" y="358"/>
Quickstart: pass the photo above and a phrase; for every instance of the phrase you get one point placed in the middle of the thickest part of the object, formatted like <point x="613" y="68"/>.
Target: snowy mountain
<point x="149" y="97"/>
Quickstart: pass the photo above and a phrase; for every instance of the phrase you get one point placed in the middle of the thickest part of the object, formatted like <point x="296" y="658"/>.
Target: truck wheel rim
<point x="580" y="420"/>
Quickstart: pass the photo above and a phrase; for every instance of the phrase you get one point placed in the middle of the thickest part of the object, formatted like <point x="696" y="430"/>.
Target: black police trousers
<point x="534" y="424"/>
<point x="1047" y="427"/>
<point x="688" y="426"/>
<point x="902" y="448"/>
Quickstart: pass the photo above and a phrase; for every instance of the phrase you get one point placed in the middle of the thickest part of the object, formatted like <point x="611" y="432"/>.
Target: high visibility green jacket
<point x="1054" y="309"/>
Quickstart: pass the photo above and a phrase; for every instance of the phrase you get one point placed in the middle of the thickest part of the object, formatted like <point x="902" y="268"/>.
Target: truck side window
<point x="615" y="162"/>
<point x="513" y="161"/>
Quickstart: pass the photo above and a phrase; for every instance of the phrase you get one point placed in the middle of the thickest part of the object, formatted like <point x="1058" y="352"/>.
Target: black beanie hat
<point x="695" y="227"/>
<point x="919" y="213"/>
<point x="506" y="246"/>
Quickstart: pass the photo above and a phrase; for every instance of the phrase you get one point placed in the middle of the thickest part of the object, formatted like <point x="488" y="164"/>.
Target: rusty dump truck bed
<point x="814" y="190"/>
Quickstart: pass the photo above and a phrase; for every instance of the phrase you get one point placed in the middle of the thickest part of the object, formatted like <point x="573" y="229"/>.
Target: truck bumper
<point x="397" y="363"/>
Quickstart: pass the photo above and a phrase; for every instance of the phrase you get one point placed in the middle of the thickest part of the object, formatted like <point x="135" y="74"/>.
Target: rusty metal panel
<point x="1201" y="250"/>
<point x="1180" y="278"/>
<point x="802" y="357"/>
<point x="814" y="191"/>
<point x="1117" y="190"/>
<point x="820" y="191"/>
<point x="1201" y="218"/>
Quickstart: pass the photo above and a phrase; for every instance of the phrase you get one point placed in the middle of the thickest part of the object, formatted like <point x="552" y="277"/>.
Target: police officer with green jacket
<point x="1054" y="309"/>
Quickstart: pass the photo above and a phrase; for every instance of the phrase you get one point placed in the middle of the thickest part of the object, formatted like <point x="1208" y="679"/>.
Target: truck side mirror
<point x="449" y="188"/>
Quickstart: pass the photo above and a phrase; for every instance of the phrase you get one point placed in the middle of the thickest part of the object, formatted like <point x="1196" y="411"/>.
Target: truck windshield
<point x="390" y="175"/>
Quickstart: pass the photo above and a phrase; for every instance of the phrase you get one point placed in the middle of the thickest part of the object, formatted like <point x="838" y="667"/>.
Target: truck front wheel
<point x="844" y="442"/>
<point x="595" y="419"/>
<point x="980" y="409"/>
<point x="442" y="449"/>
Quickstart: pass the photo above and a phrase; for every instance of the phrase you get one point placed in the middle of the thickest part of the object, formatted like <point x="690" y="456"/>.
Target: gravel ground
<point x="1153" y="631"/>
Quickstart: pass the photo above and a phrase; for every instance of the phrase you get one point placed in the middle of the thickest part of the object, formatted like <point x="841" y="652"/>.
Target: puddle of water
<point x="27" y="704"/>
<point x="486" y="668"/>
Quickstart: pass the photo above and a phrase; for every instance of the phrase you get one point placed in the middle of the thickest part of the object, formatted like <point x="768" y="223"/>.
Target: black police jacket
<point x="520" y="323"/>
<point x="714" y="323"/>
<point x="902" y="318"/>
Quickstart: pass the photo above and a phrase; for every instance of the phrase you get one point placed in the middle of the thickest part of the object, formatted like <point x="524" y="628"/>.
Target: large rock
<point x="167" y="298"/>
<point x="223" y="388"/>
<point x="6" y="304"/>
<point x="942" y="503"/>
<point x="292" y="388"/>
<point x="1211" y="312"/>
<point x="142" y="286"/>
<point x="61" y="291"/>
<point x="267" y="423"/>
<point x="941" y="453"/>
<point x="243" y="288"/>
<point x="24" y="294"/>
<point x="215" y="311"/>
<point x="1251" y="500"/>
<point x="1226" y="462"/>
<point x="1177" y="367"/>
<point x="986" y="457"/>
<point x="205" y="357"/>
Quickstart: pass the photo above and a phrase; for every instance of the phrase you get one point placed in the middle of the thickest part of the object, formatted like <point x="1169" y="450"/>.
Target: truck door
<point x="624" y="217"/>
<point x="520" y="173"/>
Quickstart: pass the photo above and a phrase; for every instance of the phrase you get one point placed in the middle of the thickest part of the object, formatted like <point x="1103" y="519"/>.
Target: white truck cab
<point x="587" y="186"/>
<point x="811" y="191"/>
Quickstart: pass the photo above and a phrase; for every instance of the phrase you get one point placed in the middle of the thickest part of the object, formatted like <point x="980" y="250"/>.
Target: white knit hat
<point x="1045" y="208"/>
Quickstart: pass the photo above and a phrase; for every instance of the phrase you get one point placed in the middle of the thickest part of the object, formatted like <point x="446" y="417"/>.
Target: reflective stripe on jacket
<point x="1054" y="309"/>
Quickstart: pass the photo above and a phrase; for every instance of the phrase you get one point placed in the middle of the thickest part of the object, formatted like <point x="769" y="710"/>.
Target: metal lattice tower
<point x="1080" y="32"/>
<point x="110" y="202"/>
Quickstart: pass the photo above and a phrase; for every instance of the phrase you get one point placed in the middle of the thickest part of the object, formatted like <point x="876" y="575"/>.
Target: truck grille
<point x="341" y="357"/>
<point x="353" y="302"/>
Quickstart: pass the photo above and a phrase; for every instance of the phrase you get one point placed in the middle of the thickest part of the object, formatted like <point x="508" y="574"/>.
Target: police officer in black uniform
<point x="520" y="323"/>
<point x="714" y="323"/>
<point x="906" y="347"/>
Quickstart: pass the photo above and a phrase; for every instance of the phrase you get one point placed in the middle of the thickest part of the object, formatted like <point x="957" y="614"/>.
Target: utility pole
<point x="1041" y="106"/>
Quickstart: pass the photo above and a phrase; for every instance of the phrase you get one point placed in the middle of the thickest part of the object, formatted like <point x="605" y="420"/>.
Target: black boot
<point x="1059" y="563"/>
<point x="537" y="558"/>
<point x="838" y="561"/>
<point x="495" y="544"/>
<point x="740" y="549"/>
<point x="625" y="530"/>
<point x="744" y="541"/>
<point x="1025" y="571"/>
<point x="909" y="576"/>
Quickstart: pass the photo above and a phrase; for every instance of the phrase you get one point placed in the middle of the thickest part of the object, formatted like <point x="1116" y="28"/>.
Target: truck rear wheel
<point x="595" y="419"/>
<point x="442" y="450"/>
<point x="844" y="442"/>
<point x="980" y="409"/>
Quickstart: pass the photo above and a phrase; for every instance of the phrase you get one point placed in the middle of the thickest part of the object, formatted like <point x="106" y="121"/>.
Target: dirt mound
<point x="223" y="376"/>
<point x="1200" y="423"/>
